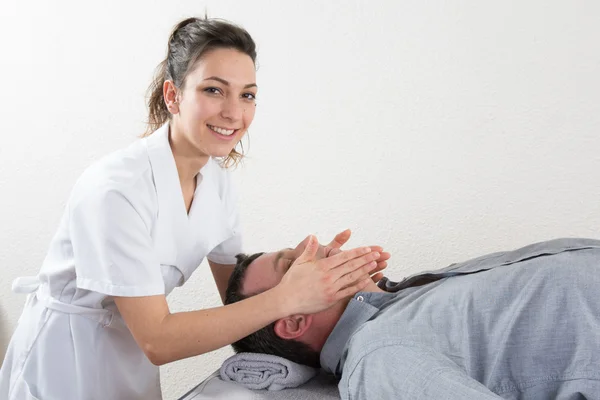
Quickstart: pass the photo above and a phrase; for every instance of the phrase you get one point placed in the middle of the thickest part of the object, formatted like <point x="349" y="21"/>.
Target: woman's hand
<point x="334" y="247"/>
<point x="312" y="285"/>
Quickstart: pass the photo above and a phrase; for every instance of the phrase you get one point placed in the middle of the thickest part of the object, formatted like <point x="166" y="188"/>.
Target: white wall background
<point x="440" y="130"/>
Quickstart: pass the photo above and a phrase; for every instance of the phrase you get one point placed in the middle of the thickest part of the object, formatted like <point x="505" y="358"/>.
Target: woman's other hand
<point x="334" y="247"/>
<point x="312" y="285"/>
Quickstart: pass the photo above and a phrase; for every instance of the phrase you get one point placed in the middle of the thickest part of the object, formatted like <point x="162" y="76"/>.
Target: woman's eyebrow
<point x="224" y="82"/>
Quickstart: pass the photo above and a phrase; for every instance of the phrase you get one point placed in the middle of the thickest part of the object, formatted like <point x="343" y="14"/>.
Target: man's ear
<point x="293" y="327"/>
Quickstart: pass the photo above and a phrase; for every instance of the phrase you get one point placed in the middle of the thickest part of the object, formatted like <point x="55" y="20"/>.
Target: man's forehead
<point x="268" y="259"/>
<point x="263" y="260"/>
<point x="257" y="272"/>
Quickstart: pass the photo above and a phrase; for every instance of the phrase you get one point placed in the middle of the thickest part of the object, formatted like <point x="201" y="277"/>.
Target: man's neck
<point x="325" y="321"/>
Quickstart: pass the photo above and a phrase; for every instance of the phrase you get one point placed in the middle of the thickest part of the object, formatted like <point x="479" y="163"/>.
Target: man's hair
<point x="264" y="340"/>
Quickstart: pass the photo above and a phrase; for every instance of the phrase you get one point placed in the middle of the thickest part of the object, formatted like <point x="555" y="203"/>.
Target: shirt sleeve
<point x="412" y="373"/>
<point x="113" y="250"/>
<point x="225" y="252"/>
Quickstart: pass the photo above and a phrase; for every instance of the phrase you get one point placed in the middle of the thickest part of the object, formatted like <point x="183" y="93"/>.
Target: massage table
<point x="321" y="387"/>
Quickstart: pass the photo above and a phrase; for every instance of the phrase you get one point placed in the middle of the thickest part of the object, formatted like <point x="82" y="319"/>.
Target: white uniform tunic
<point x="125" y="232"/>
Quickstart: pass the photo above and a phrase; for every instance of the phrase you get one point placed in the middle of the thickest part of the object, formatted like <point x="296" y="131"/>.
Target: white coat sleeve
<point x="225" y="252"/>
<point x="411" y="373"/>
<point x="112" y="247"/>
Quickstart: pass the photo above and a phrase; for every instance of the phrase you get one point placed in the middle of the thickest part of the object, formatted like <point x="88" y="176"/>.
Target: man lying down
<point x="520" y="324"/>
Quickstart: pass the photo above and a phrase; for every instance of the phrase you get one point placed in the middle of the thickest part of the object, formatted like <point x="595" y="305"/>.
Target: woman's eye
<point x="249" y="96"/>
<point x="212" y="90"/>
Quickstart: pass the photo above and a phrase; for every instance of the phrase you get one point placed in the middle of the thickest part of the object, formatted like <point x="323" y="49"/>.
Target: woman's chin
<point x="218" y="151"/>
<point x="221" y="154"/>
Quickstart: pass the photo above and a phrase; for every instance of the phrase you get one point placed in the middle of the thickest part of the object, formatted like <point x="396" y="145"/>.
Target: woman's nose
<point x="232" y="109"/>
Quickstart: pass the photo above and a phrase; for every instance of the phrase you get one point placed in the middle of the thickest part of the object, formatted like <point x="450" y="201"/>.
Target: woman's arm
<point x="309" y="286"/>
<point x="165" y="337"/>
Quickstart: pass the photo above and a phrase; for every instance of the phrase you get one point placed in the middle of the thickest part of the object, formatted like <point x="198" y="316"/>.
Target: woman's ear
<point x="170" y="97"/>
<point x="293" y="327"/>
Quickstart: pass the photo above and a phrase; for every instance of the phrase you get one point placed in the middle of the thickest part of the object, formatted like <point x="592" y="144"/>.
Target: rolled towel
<point x="265" y="371"/>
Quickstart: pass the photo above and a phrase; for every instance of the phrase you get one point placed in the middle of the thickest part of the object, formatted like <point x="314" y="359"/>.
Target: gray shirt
<point x="522" y="324"/>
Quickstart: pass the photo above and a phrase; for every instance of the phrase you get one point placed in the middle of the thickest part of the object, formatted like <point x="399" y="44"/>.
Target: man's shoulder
<point x="376" y="335"/>
<point x="378" y="356"/>
<point x="493" y="260"/>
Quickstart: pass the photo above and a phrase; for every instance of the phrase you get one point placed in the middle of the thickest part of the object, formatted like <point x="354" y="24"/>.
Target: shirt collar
<point x="164" y="169"/>
<point x="359" y="310"/>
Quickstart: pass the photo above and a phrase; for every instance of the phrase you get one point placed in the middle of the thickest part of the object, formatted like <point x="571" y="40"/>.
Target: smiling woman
<point x="139" y="222"/>
<point x="207" y="89"/>
<point x="216" y="104"/>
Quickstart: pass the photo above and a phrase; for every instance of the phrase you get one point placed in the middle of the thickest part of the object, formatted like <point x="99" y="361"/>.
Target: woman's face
<point x="216" y="104"/>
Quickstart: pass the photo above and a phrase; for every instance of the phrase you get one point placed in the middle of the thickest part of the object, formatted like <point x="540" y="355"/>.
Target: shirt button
<point x="360" y="298"/>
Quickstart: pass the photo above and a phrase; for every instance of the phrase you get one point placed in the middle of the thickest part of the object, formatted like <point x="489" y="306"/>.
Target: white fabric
<point x="265" y="371"/>
<point x="125" y="232"/>
<point x="321" y="387"/>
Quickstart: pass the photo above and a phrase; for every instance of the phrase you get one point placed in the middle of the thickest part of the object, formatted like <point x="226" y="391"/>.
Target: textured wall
<point x="441" y="130"/>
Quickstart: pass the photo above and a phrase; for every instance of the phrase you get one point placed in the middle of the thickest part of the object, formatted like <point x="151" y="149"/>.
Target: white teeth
<point x="221" y="131"/>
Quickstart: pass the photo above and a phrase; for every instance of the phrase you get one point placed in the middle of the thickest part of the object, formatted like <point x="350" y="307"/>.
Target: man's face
<point x="267" y="270"/>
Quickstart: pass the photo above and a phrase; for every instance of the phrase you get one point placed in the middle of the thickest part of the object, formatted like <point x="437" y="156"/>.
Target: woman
<point x="138" y="223"/>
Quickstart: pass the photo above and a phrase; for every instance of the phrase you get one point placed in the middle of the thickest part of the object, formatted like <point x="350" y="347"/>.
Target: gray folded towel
<point x="265" y="371"/>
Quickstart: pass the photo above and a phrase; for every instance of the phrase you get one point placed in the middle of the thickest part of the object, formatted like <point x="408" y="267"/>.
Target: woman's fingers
<point x="355" y="272"/>
<point x="365" y="263"/>
<point x="352" y="278"/>
<point x="381" y="265"/>
<point x="309" y="251"/>
<point x="384" y="254"/>
<point x="352" y="270"/>
<point x="377" y="277"/>
<point x="340" y="239"/>
<point x="331" y="251"/>
<point x="345" y="256"/>
<point x="351" y="290"/>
